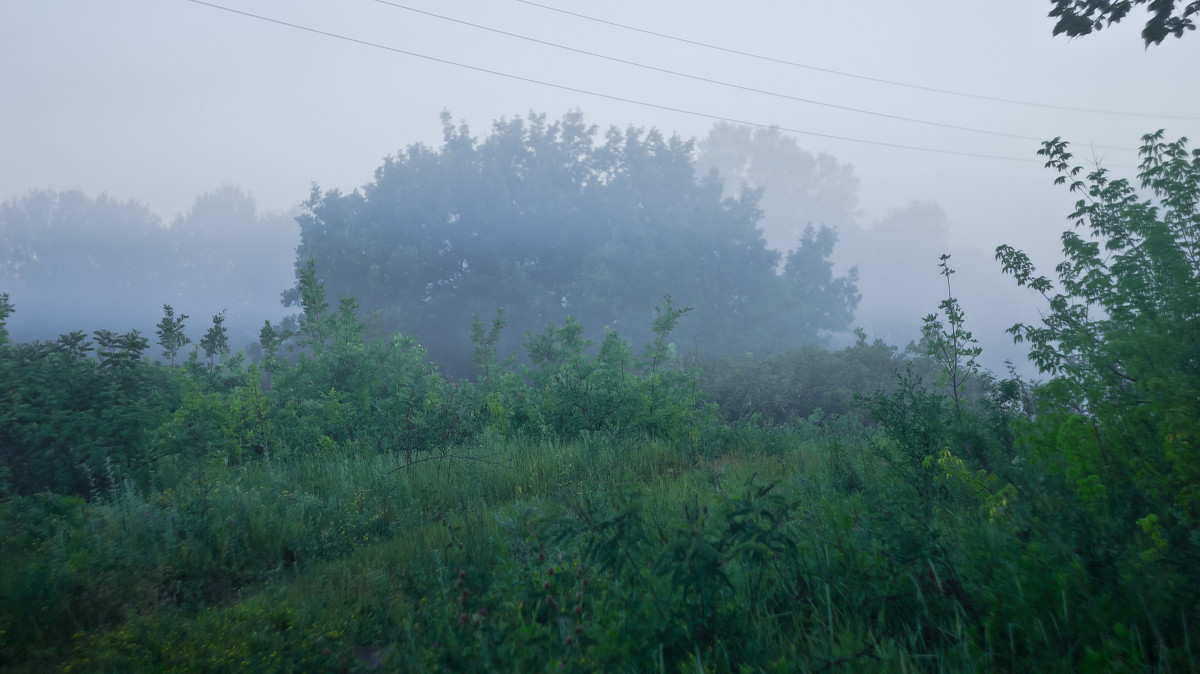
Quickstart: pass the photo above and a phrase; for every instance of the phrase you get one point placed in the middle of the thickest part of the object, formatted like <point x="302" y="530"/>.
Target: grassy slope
<point x="767" y="551"/>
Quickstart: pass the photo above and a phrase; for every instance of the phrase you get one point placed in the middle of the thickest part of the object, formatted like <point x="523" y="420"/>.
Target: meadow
<point x="339" y="505"/>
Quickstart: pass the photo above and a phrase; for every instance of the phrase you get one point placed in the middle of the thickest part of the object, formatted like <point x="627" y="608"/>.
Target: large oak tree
<point x="544" y="221"/>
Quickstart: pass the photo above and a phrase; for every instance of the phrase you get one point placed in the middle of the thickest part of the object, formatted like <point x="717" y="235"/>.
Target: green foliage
<point x="37" y="588"/>
<point x="120" y="353"/>
<point x="270" y="339"/>
<point x="914" y="418"/>
<point x="579" y="392"/>
<point x="216" y="340"/>
<point x="955" y="435"/>
<point x="357" y="393"/>
<point x="170" y="333"/>
<point x="312" y="301"/>
<point x="346" y="508"/>
<point x="1120" y="333"/>
<point x="620" y="579"/>
<point x="69" y="424"/>
<point x="234" y="427"/>
<point x="793" y="550"/>
<point x="6" y="309"/>
<point x="786" y="387"/>
<point x="1167" y="17"/>
<point x="612" y="392"/>
<point x="696" y="581"/>
<point x="1119" y="421"/>
<point x="952" y="346"/>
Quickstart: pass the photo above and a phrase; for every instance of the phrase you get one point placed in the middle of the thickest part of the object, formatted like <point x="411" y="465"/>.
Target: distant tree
<point x="542" y="221"/>
<point x="894" y="257"/>
<point x="314" y="321"/>
<point x="56" y="241"/>
<point x="269" y="340"/>
<point x="170" y="333"/>
<point x="798" y="188"/>
<point x="827" y="299"/>
<point x="120" y="352"/>
<point x="6" y="309"/>
<point x="106" y="345"/>
<point x="950" y="344"/>
<point x="74" y="346"/>
<point x="65" y="254"/>
<point x="230" y="253"/>
<point x="1082" y="17"/>
<point x="215" y="342"/>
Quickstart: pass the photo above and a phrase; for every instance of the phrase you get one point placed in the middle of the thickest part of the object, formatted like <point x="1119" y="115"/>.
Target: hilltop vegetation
<point x="340" y="505"/>
<point x="542" y="220"/>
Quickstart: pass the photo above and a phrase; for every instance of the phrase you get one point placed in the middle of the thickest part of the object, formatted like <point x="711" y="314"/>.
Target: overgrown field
<point x="340" y="506"/>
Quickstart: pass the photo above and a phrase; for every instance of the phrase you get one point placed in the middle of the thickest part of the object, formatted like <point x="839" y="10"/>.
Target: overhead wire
<point x="587" y="92"/>
<point x="731" y="85"/>
<point x="868" y="78"/>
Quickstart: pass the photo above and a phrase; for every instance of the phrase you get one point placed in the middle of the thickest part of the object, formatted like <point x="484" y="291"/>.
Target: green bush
<point x="72" y="424"/>
<point x="782" y="388"/>
<point x="1120" y="421"/>
<point x="567" y="392"/>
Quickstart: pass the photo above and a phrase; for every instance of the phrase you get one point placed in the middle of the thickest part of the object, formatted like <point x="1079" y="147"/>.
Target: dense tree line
<point x="540" y="220"/>
<point x="69" y="260"/>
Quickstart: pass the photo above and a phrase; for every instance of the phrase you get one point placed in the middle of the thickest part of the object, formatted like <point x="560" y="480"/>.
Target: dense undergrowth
<point x="340" y="506"/>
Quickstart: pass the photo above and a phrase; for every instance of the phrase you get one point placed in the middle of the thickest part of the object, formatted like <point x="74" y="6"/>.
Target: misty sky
<point x="161" y="100"/>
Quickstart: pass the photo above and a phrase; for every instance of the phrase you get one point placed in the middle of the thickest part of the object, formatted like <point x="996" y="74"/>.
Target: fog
<point x="160" y="103"/>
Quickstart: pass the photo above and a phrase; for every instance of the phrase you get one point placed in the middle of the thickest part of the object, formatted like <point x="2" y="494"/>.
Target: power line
<point x="612" y="97"/>
<point x="731" y="85"/>
<point x="842" y="73"/>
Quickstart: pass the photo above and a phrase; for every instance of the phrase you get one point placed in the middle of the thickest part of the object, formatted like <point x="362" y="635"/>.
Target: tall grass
<point x="787" y="549"/>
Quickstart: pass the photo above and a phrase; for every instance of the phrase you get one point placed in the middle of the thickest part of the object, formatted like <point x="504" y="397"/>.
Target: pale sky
<point x="161" y="100"/>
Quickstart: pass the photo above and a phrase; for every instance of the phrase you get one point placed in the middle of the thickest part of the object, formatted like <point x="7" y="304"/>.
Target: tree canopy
<point x="798" y="188"/>
<point x="542" y="221"/>
<point x="1120" y="333"/>
<point x="1082" y="17"/>
<point x="71" y="259"/>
